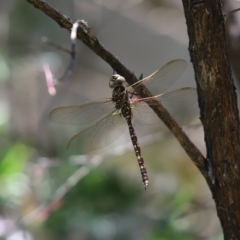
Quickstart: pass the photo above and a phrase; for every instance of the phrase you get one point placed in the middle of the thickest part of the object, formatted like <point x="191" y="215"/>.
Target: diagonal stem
<point x="85" y="35"/>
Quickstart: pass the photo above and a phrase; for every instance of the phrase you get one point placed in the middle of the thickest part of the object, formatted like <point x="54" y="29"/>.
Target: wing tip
<point x="179" y="61"/>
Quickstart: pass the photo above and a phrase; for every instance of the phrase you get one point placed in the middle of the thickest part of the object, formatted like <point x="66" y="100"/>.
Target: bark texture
<point x="218" y="107"/>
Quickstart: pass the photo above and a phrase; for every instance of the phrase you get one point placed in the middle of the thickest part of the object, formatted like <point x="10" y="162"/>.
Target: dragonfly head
<point x="116" y="80"/>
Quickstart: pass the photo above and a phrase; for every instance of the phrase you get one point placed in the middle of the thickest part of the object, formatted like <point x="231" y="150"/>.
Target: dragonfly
<point x="109" y="117"/>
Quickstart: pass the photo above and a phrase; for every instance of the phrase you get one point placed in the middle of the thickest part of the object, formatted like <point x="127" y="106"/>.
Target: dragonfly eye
<point x="116" y="80"/>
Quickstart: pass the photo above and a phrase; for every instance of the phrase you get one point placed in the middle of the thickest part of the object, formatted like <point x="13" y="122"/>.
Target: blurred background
<point x="47" y="193"/>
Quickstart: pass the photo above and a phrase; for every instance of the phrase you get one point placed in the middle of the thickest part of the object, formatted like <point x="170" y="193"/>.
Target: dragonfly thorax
<point x="116" y="80"/>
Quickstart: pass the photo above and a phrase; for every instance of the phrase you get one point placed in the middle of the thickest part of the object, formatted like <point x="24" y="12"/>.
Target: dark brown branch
<point x="218" y="107"/>
<point x="84" y="34"/>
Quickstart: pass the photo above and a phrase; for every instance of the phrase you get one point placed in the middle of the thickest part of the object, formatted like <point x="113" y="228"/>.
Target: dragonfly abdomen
<point x="127" y="114"/>
<point x="137" y="151"/>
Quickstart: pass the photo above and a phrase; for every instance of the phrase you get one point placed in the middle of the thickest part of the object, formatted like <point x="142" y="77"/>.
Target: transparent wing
<point x="82" y="114"/>
<point x="98" y="135"/>
<point x="161" y="79"/>
<point x="175" y="103"/>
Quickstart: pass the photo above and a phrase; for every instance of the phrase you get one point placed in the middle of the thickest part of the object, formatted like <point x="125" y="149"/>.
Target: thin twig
<point x="52" y="44"/>
<point x="50" y="80"/>
<point x="231" y="12"/>
<point x="84" y="34"/>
